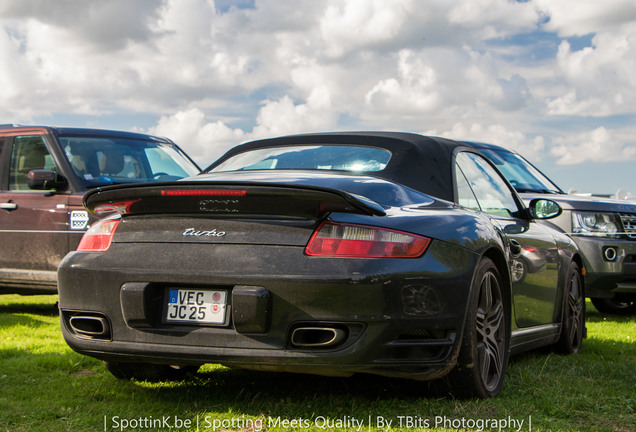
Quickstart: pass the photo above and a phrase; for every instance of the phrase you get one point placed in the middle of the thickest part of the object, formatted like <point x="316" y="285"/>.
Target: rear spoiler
<point x="227" y="199"/>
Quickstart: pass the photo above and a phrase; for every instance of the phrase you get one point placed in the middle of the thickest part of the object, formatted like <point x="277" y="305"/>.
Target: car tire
<point x="485" y="346"/>
<point x="573" y="317"/>
<point x="148" y="371"/>
<point x="615" y="306"/>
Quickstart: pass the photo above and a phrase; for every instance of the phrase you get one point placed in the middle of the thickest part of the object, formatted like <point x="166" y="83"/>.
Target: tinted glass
<point x="465" y="195"/>
<point x="520" y="173"/>
<point x="98" y="160"/>
<point x="310" y="157"/>
<point x="29" y="153"/>
<point x="491" y="191"/>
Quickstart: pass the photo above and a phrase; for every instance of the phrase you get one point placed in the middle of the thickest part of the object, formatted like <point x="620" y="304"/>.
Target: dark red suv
<point x="44" y="173"/>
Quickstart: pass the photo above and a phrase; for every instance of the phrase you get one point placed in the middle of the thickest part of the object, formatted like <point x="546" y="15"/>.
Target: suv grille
<point x="629" y="223"/>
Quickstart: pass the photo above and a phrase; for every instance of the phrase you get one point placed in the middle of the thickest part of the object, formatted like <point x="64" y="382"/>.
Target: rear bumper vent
<point x="419" y="345"/>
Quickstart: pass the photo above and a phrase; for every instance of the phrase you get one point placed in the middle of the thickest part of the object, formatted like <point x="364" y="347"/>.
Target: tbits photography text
<point x="360" y="424"/>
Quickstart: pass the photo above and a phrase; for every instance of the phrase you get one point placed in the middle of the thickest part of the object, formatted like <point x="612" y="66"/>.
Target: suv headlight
<point x="595" y="224"/>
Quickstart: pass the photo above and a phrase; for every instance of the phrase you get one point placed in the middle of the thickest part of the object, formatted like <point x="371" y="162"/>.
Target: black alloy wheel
<point x="485" y="348"/>
<point x="573" y="320"/>
<point x="616" y="306"/>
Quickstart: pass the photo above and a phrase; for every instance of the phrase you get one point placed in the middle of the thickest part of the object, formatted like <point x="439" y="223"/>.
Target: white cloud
<point x="578" y="18"/>
<point x="97" y="25"/>
<point x="598" y="145"/>
<point x="203" y="141"/>
<point x="599" y="79"/>
<point x="416" y="89"/>
<point x="206" y="140"/>
<point x="283" y="117"/>
<point x="595" y="80"/>
<point x="493" y="18"/>
<point x="13" y="75"/>
<point x="212" y="77"/>
<point x="532" y="148"/>
<point x="181" y="53"/>
<point x="363" y="24"/>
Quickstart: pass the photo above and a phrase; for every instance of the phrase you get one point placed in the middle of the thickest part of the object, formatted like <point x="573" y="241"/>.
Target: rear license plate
<point x="196" y="306"/>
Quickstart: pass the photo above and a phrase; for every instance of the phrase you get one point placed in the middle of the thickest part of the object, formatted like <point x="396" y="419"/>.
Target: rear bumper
<point x="397" y="317"/>
<point x="416" y="359"/>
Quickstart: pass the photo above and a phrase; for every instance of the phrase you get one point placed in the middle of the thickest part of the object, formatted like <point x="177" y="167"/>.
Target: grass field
<point x="44" y="386"/>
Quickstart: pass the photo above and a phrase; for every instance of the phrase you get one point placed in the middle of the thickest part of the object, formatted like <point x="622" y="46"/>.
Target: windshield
<point x="309" y="157"/>
<point x="520" y="173"/>
<point x="108" y="160"/>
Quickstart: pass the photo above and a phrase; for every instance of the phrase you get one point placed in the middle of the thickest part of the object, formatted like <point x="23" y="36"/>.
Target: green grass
<point x="44" y="386"/>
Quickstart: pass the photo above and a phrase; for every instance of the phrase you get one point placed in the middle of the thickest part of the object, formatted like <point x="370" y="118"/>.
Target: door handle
<point x="8" y="206"/>
<point x="515" y="248"/>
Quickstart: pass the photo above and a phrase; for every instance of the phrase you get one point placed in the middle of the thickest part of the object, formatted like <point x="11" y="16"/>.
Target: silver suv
<point x="604" y="229"/>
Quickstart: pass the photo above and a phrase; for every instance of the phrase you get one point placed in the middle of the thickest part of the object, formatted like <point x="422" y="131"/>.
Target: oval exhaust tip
<point x="317" y="337"/>
<point x="89" y="325"/>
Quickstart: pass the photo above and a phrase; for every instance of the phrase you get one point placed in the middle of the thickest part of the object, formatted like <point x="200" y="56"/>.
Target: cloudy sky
<point x="554" y="80"/>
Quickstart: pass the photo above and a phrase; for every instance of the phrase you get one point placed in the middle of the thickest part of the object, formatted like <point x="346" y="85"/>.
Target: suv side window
<point x="492" y="193"/>
<point x="29" y="153"/>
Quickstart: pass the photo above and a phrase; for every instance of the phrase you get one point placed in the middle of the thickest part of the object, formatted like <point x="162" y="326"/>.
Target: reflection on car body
<point x="529" y="261"/>
<point x="604" y="229"/>
<point x="382" y="253"/>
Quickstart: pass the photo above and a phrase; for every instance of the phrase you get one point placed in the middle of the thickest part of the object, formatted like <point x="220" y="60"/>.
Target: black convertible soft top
<point x="421" y="162"/>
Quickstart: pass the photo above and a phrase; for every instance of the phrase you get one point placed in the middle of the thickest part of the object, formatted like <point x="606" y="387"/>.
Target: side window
<point x="29" y="153"/>
<point x="490" y="190"/>
<point x="465" y="195"/>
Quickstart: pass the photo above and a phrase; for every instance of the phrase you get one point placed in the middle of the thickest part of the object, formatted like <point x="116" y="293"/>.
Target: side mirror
<point x="544" y="209"/>
<point x="45" y="180"/>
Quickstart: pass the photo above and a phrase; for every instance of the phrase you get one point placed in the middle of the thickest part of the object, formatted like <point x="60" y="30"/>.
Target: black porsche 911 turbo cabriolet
<point x="334" y="253"/>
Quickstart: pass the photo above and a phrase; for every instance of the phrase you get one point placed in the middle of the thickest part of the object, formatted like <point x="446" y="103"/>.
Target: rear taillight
<point x="359" y="241"/>
<point x="99" y="237"/>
